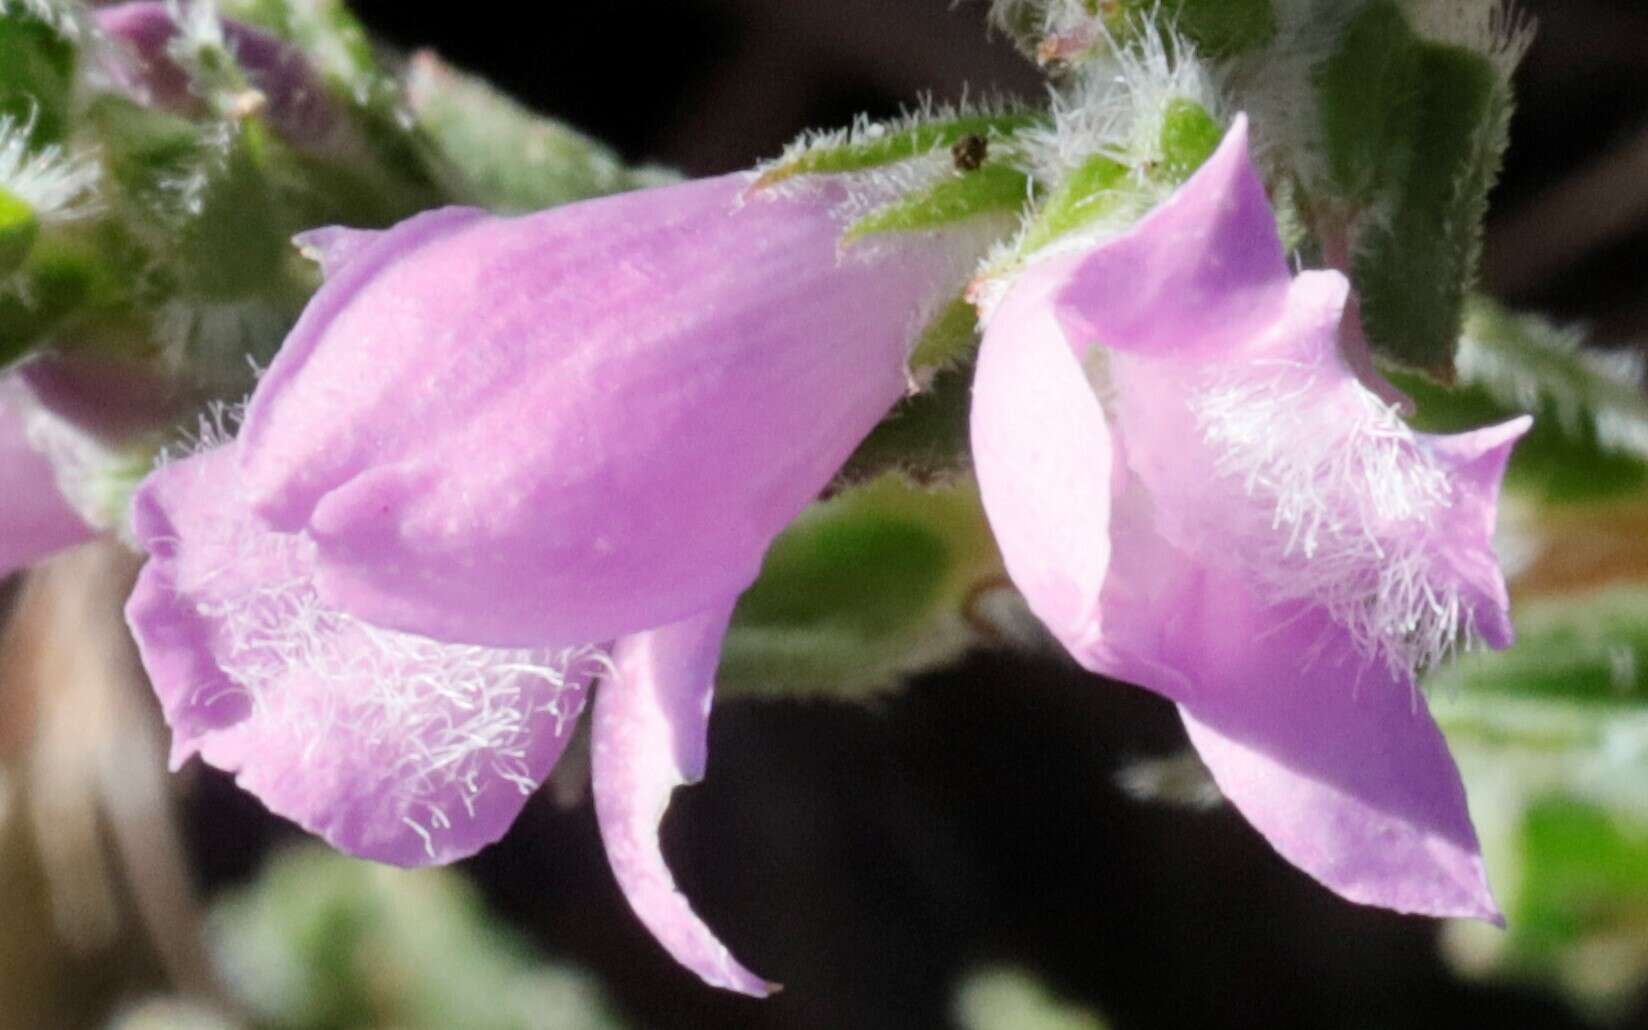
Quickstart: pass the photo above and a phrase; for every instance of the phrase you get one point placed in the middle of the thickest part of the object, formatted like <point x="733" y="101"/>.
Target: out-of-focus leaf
<point x="1552" y="739"/>
<point x="1589" y="442"/>
<point x="862" y="589"/>
<point x="324" y="941"/>
<point x="36" y="75"/>
<point x="1218" y="28"/>
<point x="496" y="153"/>
<point x="1006" y="999"/>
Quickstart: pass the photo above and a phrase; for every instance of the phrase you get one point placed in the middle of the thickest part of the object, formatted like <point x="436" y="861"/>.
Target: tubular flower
<point x="35" y="519"/>
<point x="1196" y="494"/>
<point x="496" y="460"/>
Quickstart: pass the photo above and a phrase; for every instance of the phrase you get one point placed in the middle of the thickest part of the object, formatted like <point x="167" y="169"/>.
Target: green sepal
<point x="36" y="76"/>
<point x="1217" y="28"/>
<point x="864" y="588"/>
<point x="1103" y="188"/>
<point x="498" y="154"/>
<point x="19" y="228"/>
<point x="1510" y="364"/>
<point x="990" y="189"/>
<point x="1190" y="135"/>
<point x="1096" y="189"/>
<point x="1412" y="133"/>
<point x="866" y="149"/>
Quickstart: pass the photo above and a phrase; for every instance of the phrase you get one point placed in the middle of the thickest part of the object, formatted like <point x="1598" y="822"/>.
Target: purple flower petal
<point x="1283" y="552"/>
<point x="1045" y="479"/>
<point x="585" y="422"/>
<point x="335" y="246"/>
<point x="650" y="723"/>
<point x="1204" y="271"/>
<point x="35" y="520"/>
<point x="390" y="746"/>
<point x="1335" y="760"/>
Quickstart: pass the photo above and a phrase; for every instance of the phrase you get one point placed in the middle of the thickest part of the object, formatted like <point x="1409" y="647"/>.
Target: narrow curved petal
<point x="1202" y="270"/>
<point x="650" y="723"/>
<point x="35" y="520"/>
<point x="1042" y="452"/>
<point x="587" y="421"/>
<point x="390" y="746"/>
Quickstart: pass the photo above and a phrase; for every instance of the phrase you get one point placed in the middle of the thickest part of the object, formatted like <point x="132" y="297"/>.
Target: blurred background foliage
<point x="1005" y="844"/>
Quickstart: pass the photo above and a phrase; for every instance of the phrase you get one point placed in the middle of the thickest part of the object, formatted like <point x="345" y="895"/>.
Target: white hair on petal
<point x="56" y="185"/>
<point x="1343" y="507"/>
<point x="428" y="720"/>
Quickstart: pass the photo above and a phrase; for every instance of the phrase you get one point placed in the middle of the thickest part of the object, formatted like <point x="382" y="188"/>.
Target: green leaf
<point x="862" y="589"/>
<point x="1412" y="132"/>
<point x="321" y="940"/>
<point x="872" y="146"/>
<point x="990" y="189"/>
<point x="1367" y="95"/>
<point x="36" y="76"/>
<point x="500" y="155"/>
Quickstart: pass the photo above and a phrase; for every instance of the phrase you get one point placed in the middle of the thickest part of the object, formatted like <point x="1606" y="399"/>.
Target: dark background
<point x="868" y="856"/>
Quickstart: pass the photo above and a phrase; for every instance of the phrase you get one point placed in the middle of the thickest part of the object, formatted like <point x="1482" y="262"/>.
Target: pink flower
<point x="35" y="519"/>
<point x="496" y="460"/>
<point x="1195" y="494"/>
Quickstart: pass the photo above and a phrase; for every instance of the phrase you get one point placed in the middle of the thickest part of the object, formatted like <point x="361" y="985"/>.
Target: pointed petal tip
<point x="647" y="739"/>
<point x="1202" y="273"/>
<point x="333" y="246"/>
